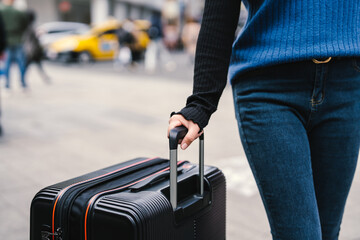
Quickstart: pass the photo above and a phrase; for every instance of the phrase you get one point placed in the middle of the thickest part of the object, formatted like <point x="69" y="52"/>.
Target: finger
<point x="180" y="118"/>
<point x="190" y="137"/>
<point x="174" y="123"/>
<point x="200" y="133"/>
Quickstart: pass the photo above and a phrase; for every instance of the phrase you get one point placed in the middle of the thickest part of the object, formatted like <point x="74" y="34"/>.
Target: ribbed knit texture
<point x="280" y="31"/>
<point x="277" y="31"/>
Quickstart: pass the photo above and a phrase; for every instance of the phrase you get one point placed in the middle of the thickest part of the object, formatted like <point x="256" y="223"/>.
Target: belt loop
<point x="321" y="61"/>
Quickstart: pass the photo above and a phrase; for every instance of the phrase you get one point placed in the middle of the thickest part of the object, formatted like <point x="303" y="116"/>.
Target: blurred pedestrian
<point x="189" y="37"/>
<point x="295" y="75"/>
<point x="126" y="39"/>
<point x="2" y="44"/>
<point x="152" y="51"/>
<point x="171" y="23"/>
<point x="34" y="52"/>
<point x="2" y="48"/>
<point x="15" y="26"/>
<point x="133" y="38"/>
<point x="2" y="38"/>
<point x="156" y="52"/>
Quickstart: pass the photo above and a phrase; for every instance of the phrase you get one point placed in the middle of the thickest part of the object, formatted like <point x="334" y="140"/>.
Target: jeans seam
<point x="308" y="121"/>
<point x="325" y="69"/>
<point x="355" y="65"/>
<point x="312" y="101"/>
<point x="240" y="119"/>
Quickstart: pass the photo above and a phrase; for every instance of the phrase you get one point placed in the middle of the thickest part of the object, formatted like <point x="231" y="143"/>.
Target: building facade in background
<point x="95" y="11"/>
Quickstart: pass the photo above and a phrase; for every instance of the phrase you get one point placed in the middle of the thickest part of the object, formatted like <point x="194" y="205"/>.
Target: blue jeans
<point x="299" y="124"/>
<point x="15" y="53"/>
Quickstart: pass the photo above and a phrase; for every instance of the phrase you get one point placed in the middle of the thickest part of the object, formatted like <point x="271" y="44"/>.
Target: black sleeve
<point x="2" y="35"/>
<point x="212" y="59"/>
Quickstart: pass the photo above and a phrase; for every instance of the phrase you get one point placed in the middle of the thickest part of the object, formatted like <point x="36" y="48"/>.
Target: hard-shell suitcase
<point x="135" y="200"/>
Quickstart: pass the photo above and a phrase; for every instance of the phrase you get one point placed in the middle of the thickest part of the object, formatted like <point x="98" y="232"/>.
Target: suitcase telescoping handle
<point x="175" y="135"/>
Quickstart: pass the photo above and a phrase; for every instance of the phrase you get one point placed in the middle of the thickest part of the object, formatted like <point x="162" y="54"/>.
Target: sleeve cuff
<point x="196" y="115"/>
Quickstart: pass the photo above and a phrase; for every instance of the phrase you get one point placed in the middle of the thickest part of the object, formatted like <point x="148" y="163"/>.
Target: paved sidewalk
<point x="89" y="119"/>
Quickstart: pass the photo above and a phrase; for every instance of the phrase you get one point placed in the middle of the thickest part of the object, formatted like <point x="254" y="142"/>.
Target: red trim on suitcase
<point x="65" y="189"/>
<point x="117" y="189"/>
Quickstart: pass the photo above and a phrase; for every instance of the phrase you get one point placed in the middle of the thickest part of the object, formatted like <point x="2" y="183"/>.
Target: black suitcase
<point x="135" y="200"/>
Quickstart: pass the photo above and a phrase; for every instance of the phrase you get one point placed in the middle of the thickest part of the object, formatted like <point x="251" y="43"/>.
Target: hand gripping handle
<point x="175" y="135"/>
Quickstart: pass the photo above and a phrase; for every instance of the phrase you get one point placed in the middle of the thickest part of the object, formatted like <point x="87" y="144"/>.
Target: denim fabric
<point x="299" y="124"/>
<point x="15" y="53"/>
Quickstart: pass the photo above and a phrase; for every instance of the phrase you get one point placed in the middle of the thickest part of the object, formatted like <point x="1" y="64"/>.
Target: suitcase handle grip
<point x="175" y="135"/>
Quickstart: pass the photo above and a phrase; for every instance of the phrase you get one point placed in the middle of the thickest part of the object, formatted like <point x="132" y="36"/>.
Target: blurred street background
<point x="110" y="74"/>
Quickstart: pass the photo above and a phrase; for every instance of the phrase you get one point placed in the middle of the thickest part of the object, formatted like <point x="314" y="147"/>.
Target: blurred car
<point x="100" y="43"/>
<point x="53" y="31"/>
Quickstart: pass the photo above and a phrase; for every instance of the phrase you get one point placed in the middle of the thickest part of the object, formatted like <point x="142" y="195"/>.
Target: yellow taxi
<point x="100" y="43"/>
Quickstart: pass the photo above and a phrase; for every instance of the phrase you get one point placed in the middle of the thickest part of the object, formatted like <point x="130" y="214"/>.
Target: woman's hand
<point x="193" y="129"/>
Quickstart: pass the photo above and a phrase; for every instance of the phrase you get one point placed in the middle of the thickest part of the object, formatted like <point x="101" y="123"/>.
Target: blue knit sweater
<point x="280" y="31"/>
<point x="276" y="31"/>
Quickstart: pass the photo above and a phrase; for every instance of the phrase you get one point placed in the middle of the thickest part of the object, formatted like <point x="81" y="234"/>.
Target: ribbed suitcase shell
<point x="133" y="212"/>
